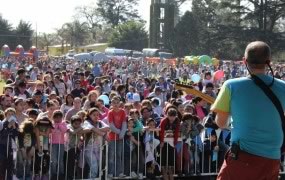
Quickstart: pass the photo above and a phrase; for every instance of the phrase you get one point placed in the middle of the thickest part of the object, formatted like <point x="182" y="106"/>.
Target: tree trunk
<point x="265" y="17"/>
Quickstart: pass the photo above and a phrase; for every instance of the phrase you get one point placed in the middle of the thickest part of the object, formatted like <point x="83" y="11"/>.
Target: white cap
<point x="130" y="97"/>
<point x="136" y="97"/>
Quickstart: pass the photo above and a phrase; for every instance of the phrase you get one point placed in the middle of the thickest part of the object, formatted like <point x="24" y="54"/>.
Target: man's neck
<point x="257" y="71"/>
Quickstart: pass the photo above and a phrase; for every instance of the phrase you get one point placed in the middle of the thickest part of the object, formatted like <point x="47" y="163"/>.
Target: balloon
<point x="216" y="62"/>
<point x="195" y="60"/>
<point x="204" y="59"/>
<point x="105" y="98"/>
<point x="187" y="59"/>
<point x="218" y="75"/>
<point x="195" y="78"/>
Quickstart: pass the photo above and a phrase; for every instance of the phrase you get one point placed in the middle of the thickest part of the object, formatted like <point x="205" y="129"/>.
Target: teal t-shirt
<point x="255" y="121"/>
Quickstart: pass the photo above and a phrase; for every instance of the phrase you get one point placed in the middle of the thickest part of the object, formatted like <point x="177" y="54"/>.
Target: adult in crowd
<point x="75" y="109"/>
<point x="256" y="126"/>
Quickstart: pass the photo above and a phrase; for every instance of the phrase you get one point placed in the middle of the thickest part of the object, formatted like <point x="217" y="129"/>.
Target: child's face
<point x="76" y="124"/>
<point x="115" y="104"/>
<point x="130" y="125"/>
<point x="209" y="89"/>
<point x="181" y="108"/>
<point x="8" y="91"/>
<point x="94" y="116"/>
<point x="57" y="119"/>
<point x="100" y="103"/>
<point x="134" y="115"/>
<point x="188" y="110"/>
<point x="151" y="125"/>
<point x="9" y="114"/>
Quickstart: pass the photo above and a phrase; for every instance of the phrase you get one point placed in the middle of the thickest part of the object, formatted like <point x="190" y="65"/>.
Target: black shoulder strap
<point x="274" y="99"/>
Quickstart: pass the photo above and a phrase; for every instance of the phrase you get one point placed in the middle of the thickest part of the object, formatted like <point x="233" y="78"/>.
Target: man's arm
<point x="222" y="106"/>
<point x="222" y="119"/>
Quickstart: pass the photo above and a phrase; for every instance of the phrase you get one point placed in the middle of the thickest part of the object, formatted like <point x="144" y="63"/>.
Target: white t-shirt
<point x="96" y="138"/>
<point x="61" y="89"/>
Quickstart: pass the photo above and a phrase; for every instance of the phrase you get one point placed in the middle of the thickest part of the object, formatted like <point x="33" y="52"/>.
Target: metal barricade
<point x="135" y="158"/>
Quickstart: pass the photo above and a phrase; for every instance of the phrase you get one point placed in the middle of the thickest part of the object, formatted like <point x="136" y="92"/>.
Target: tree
<point x="186" y="39"/>
<point x="45" y="40"/>
<point x="223" y="28"/>
<point x="258" y="20"/>
<point x="118" y="11"/>
<point x="24" y="33"/>
<point x="130" y="35"/>
<point x="6" y="32"/>
<point x="91" y="16"/>
<point x="76" y="32"/>
<point x="62" y="37"/>
<point x="104" y="33"/>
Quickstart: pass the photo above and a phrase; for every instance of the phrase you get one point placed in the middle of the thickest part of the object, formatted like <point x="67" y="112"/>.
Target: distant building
<point x="100" y="47"/>
<point x="161" y="26"/>
<point x="58" y="50"/>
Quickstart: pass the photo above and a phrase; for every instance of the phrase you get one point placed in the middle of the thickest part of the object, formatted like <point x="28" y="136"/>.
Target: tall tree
<point x="6" y="32"/>
<point x="104" y="33"/>
<point x="186" y="39"/>
<point x="45" y="40"/>
<point x="118" y="11"/>
<point x="91" y="16"/>
<point x="130" y="35"/>
<point x="259" y="19"/>
<point x="77" y="32"/>
<point x="24" y="33"/>
<point x="223" y="28"/>
<point x="62" y="37"/>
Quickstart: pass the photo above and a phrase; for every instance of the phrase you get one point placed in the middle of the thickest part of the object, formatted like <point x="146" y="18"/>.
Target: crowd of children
<point x="69" y="124"/>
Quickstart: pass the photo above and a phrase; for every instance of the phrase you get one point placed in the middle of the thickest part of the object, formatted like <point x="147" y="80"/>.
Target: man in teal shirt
<point x="256" y="124"/>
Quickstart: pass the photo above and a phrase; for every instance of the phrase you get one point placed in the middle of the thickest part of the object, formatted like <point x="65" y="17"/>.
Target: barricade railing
<point x="137" y="156"/>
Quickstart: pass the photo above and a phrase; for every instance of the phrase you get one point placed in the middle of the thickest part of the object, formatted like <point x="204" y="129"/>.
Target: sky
<point x="47" y="15"/>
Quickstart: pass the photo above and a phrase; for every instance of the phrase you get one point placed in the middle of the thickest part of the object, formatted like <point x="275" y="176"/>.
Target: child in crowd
<point x="57" y="140"/>
<point x="103" y="109"/>
<point x="94" y="131"/>
<point x="8" y="134"/>
<point x="129" y="145"/>
<point x="188" y="133"/>
<point x="27" y="142"/>
<point x="74" y="131"/>
<point x="211" y="149"/>
<point x="156" y="106"/>
<point x="151" y="141"/>
<point x="118" y="126"/>
<point x="33" y="114"/>
<point x="43" y="128"/>
<point x="170" y="127"/>
<point x="138" y="127"/>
